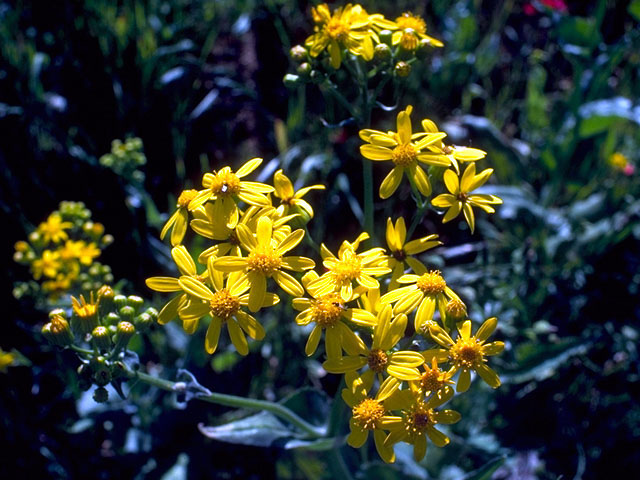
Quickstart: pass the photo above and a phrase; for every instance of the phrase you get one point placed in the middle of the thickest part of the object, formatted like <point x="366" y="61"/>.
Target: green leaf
<point x="486" y="471"/>
<point x="260" y="430"/>
<point x="310" y="404"/>
<point x="548" y="362"/>
<point x="579" y="31"/>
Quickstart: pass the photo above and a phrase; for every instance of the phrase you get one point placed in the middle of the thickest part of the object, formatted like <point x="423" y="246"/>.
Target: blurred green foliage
<point x="550" y="94"/>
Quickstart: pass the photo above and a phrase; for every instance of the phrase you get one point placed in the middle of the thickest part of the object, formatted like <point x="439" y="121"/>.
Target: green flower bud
<point x="152" y="312"/>
<point x="101" y="373"/>
<point x="291" y="81"/>
<point x="57" y="312"/>
<point x="385" y="36"/>
<point x="143" y="322"/>
<point x="298" y="53"/>
<point x="456" y="310"/>
<point x="304" y="69"/>
<point x="105" y="299"/>
<point x="135" y="302"/>
<point x="127" y="313"/>
<point x="120" y="301"/>
<point x="382" y="52"/>
<point x="101" y="338"/>
<point x="112" y="318"/>
<point x="403" y="69"/>
<point x="57" y="332"/>
<point x="123" y="334"/>
<point x="101" y="395"/>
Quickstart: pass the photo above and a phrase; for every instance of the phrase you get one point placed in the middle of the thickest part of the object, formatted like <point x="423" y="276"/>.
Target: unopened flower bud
<point x="127" y="313"/>
<point x="123" y="334"/>
<point x="291" y="81"/>
<point x="298" y="53"/>
<point x="120" y="301"/>
<point x="403" y="69"/>
<point x="112" y="318"/>
<point x="152" y="312"/>
<point x="456" y="310"/>
<point x="105" y="299"/>
<point x="143" y="322"/>
<point x="101" y="338"/>
<point x="101" y="395"/>
<point x="57" y="312"/>
<point x="57" y="332"/>
<point x="101" y="375"/>
<point x="135" y="302"/>
<point x="382" y="52"/>
<point x="304" y="69"/>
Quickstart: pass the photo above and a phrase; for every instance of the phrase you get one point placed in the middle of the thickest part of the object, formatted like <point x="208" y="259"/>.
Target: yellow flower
<point x="401" y="252"/>
<point x="348" y="28"/>
<point x="48" y="265"/>
<point x="53" y="229"/>
<point x="288" y="198"/>
<point x="180" y="218"/>
<point x="225" y="307"/>
<point x="460" y="199"/>
<point x="405" y="153"/>
<point x="350" y="266"/>
<point x="266" y="260"/>
<point x="467" y="352"/>
<point x="418" y="420"/>
<point x="618" y="161"/>
<point x="455" y="153"/>
<point x="186" y="267"/>
<point x="426" y="292"/>
<point x="412" y="29"/>
<point x="368" y="414"/>
<point x="85" y="314"/>
<point x="379" y="358"/>
<point x="80" y="250"/>
<point x="224" y="186"/>
<point x="327" y="312"/>
<point x="432" y="380"/>
<point x="6" y="360"/>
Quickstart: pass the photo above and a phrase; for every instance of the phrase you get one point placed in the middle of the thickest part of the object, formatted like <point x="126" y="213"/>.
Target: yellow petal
<point x="237" y="337"/>
<point x="180" y="227"/>
<point x="464" y="380"/>
<point x="488" y="375"/>
<point x="183" y="260"/>
<point x="195" y="287"/>
<point x="391" y="182"/>
<point x="404" y="125"/>
<point x="248" y="167"/>
<point x="313" y="340"/>
<point x="163" y="284"/>
<point x="452" y="182"/>
<point x="375" y="152"/>
<point x="213" y="335"/>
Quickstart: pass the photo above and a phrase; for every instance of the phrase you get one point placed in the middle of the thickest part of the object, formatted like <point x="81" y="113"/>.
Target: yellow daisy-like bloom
<point x="266" y="259"/>
<point x="327" y="312"/>
<point x="48" y="265"/>
<point x="224" y="187"/>
<point x="224" y="305"/>
<point x="455" y="153"/>
<point x="288" y="198"/>
<point x="432" y="380"/>
<point x="405" y="150"/>
<point x="379" y="358"/>
<point x="401" y="252"/>
<point x="84" y="252"/>
<point x="349" y="267"/>
<point x="186" y="267"/>
<point x="368" y="414"/>
<point x="418" y="421"/>
<point x="348" y="28"/>
<point x="180" y="218"/>
<point x="468" y="351"/>
<point x="85" y="314"/>
<point x="460" y="199"/>
<point x="53" y="229"/>
<point x="412" y="29"/>
<point x="426" y="292"/>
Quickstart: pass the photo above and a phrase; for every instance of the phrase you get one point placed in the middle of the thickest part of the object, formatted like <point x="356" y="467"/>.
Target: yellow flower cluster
<point x="409" y="151"/>
<point x="350" y="28"/>
<point x="62" y="250"/>
<point x="362" y="301"/>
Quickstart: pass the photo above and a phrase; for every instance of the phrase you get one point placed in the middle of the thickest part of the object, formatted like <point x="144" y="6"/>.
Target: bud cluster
<point x="125" y="159"/>
<point x="99" y="330"/>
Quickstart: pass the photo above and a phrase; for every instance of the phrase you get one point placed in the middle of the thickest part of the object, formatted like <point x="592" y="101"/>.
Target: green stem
<point x="83" y="351"/>
<point x="233" y="401"/>
<point x="339" y="464"/>
<point x="421" y="204"/>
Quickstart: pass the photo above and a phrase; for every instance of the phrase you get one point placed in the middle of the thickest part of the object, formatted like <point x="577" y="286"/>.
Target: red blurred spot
<point x="558" y="5"/>
<point x="529" y="9"/>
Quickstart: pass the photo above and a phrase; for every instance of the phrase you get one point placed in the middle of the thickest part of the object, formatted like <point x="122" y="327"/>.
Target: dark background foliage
<point x="549" y="90"/>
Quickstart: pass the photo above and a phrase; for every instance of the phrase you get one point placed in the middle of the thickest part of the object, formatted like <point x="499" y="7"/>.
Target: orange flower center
<point x="223" y="304"/>
<point x="431" y="283"/>
<point x="336" y="29"/>
<point x="185" y="197"/>
<point x="225" y="184"/>
<point x="432" y="380"/>
<point x="404" y="155"/>
<point x="377" y="360"/>
<point x="418" y="419"/>
<point x="411" y="21"/>
<point x="467" y="353"/>
<point x="347" y="268"/>
<point x="327" y="310"/>
<point x="367" y="413"/>
<point x="265" y="261"/>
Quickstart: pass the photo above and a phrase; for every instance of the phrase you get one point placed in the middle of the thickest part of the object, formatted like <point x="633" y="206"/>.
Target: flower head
<point x="179" y="219"/>
<point x="406" y="151"/>
<point x="347" y="28"/>
<point x="412" y="30"/>
<point x="468" y="352"/>
<point x="289" y="198"/>
<point x="460" y="197"/>
<point x="53" y="229"/>
<point x="349" y="267"/>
